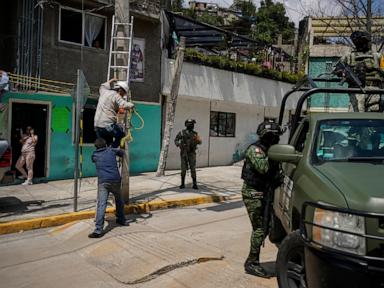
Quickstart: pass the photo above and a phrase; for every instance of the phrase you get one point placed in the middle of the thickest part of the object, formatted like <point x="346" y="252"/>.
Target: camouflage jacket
<point x="187" y="141"/>
<point x="256" y="160"/>
<point x="372" y="63"/>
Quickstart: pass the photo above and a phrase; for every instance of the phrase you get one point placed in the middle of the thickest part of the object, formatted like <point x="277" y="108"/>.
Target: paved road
<point x="180" y="248"/>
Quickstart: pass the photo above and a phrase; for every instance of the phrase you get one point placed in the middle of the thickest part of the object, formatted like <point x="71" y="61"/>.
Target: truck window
<point x="349" y="139"/>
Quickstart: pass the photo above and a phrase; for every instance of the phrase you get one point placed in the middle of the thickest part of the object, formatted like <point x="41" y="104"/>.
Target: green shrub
<point x="223" y="62"/>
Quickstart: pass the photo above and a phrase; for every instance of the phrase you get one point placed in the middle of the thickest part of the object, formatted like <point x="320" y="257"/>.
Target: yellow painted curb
<point x="56" y="220"/>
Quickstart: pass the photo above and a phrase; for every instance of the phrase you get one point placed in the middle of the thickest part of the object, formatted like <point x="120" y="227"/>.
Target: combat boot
<point x="182" y="186"/>
<point x="194" y="186"/>
<point x="254" y="268"/>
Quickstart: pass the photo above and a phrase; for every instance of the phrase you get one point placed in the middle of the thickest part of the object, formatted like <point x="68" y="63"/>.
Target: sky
<point x="297" y="9"/>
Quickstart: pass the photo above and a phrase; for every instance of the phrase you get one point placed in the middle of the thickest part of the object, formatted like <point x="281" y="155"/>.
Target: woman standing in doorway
<point x="29" y="141"/>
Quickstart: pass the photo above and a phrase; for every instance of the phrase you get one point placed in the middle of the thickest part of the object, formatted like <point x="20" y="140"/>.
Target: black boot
<point x="254" y="268"/>
<point x="194" y="186"/>
<point x="182" y="186"/>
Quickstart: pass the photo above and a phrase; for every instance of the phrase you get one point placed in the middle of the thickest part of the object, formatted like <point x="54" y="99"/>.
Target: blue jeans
<point x="102" y="196"/>
<point x="111" y="134"/>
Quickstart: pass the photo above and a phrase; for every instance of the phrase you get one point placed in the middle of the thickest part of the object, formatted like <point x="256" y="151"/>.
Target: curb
<point x="56" y="220"/>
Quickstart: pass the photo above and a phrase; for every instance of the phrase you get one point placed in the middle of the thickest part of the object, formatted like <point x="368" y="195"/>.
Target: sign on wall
<point x="137" y="60"/>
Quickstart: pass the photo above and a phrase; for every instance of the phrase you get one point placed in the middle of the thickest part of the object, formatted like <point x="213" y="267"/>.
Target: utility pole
<point x="171" y="108"/>
<point x="369" y="20"/>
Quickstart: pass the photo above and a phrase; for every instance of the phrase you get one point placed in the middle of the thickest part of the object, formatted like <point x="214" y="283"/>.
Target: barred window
<point x="222" y="124"/>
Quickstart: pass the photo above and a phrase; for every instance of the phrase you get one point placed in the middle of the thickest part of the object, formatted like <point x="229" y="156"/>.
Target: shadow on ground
<point x="205" y="189"/>
<point x="14" y="206"/>
<point x="131" y="218"/>
<point x="224" y="206"/>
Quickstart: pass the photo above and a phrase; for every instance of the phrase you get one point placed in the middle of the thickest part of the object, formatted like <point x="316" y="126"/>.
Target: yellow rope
<point x="129" y="138"/>
<point x="141" y="120"/>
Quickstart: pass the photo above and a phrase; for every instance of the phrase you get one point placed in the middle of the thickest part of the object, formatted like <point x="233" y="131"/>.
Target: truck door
<point x="284" y="197"/>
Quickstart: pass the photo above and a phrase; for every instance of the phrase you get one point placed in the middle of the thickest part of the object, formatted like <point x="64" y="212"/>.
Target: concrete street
<point x="178" y="248"/>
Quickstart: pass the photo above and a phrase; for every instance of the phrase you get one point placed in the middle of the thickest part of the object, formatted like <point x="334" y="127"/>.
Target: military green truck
<point x="328" y="217"/>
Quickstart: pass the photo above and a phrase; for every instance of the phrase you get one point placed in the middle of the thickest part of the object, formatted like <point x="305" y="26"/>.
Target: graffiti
<point x="241" y="147"/>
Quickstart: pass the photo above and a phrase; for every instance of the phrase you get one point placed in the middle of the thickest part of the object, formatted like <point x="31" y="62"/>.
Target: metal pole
<point x="369" y="20"/>
<point x="77" y="136"/>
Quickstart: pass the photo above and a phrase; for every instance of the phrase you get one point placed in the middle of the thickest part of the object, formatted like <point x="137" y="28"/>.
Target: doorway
<point x="34" y="115"/>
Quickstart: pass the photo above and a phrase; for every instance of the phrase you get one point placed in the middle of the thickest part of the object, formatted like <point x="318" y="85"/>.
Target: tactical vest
<point x="252" y="177"/>
<point x="188" y="141"/>
<point x="368" y="64"/>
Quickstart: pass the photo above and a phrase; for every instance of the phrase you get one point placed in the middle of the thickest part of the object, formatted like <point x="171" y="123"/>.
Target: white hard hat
<point x="123" y="85"/>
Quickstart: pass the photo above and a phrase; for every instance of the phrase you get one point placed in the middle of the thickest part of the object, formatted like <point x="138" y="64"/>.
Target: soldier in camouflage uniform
<point x="187" y="140"/>
<point x="259" y="174"/>
<point x="367" y="67"/>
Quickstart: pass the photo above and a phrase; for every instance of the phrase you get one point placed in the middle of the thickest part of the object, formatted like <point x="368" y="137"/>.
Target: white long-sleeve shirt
<point x="109" y="103"/>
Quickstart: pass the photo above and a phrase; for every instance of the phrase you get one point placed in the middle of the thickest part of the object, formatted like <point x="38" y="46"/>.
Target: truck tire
<point x="290" y="268"/>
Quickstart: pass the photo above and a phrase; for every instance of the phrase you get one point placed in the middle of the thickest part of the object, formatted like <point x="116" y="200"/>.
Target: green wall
<point x="144" y="150"/>
<point x="318" y="65"/>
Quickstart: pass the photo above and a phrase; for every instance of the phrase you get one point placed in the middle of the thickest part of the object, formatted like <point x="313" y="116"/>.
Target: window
<point x="89" y="134"/>
<point x="349" y="140"/>
<point x="82" y="28"/>
<point x="222" y="124"/>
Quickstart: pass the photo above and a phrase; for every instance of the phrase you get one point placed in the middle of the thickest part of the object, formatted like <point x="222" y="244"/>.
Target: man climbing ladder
<point x="110" y="101"/>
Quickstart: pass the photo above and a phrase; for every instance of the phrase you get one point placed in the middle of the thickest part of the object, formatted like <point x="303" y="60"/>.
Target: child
<point x="109" y="180"/>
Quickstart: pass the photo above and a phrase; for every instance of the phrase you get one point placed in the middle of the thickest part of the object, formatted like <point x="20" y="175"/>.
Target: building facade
<point x="50" y="43"/>
<point x="227" y="107"/>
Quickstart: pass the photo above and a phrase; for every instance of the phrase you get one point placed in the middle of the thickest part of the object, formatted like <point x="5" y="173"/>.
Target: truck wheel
<point x="290" y="267"/>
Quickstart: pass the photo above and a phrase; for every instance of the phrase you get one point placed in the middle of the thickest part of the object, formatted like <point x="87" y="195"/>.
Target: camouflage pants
<point x="364" y="102"/>
<point x="188" y="160"/>
<point x="254" y="202"/>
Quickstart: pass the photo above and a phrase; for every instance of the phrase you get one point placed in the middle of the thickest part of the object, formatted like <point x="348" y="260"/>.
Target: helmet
<point x="360" y="37"/>
<point x="122" y="84"/>
<point x="189" y="121"/>
<point x="268" y="127"/>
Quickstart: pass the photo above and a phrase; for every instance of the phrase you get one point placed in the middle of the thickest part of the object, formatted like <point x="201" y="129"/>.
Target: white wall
<point x="216" y="84"/>
<point x="204" y="89"/>
<point x="198" y="110"/>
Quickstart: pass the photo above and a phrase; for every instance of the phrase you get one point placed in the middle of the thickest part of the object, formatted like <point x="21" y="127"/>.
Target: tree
<point x="177" y="5"/>
<point x="171" y="108"/>
<point x="271" y="20"/>
<point x="244" y="24"/>
<point x="247" y="8"/>
<point x="210" y="19"/>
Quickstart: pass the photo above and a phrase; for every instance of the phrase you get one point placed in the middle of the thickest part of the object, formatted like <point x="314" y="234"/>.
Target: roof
<point x="205" y="35"/>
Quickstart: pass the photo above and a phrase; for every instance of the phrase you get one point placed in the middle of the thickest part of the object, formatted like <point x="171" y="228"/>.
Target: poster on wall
<point x="137" y="60"/>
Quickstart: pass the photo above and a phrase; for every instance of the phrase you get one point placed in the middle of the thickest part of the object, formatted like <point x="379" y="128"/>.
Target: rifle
<point x="348" y="75"/>
<point x="269" y="195"/>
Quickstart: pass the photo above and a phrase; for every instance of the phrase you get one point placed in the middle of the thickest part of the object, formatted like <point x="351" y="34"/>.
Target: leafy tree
<point x="248" y="12"/>
<point x="177" y="5"/>
<point x="247" y="8"/>
<point x="210" y="19"/>
<point x="271" y="20"/>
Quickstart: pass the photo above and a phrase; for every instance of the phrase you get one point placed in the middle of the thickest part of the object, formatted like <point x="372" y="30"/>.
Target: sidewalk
<point x="19" y="202"/>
